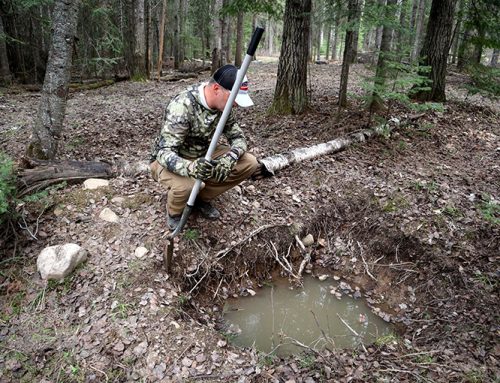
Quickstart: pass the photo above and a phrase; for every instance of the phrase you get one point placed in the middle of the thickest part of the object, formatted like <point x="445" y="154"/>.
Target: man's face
<point x="222" y="95"/>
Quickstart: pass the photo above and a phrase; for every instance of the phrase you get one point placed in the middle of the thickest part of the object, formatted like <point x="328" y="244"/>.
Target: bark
<point x="328" y="40"/>
<point x="217" y="61"/>
<point x="336" y="32"/>
<point x="462" y="50"/>
<point x="355" y="39"/>
<point x="49" y="124"/>
<point x="436" y="47"/>
<point x="139" y="69"/>
<point x="161" y="37"/>
<point x="238" y="57"/>
<point x="279" y="161"/>
<point x="38" y="175"/>
<point x="5" y="76"/>
<point x="385" y="47"/>
<point x="270" y="36"/>
<point x="353" y="15"/>
<point x="419" y="27"/>
<point x="226" y="37"/>
<point x="176" y="37"/>
<point x="494" y="58"/>
<point x="290" y="96"/>
<point x="456" y="35"/>
<point x="400" y="35"/>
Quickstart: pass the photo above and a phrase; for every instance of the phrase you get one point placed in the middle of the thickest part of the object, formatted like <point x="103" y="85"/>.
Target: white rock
<point x="56" y="262"/>
<point x="108" y="215"/>
<point x="323" y="277"/>
<point x="308" y="240"/>
<point x="117" y="200"/>
<point x="251" y="292"/>
<point x="95" y="183"/>
<point x="141" y="252"/>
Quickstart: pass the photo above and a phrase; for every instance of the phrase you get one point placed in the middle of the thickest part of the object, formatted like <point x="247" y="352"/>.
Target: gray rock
<point x="95" y="183"/>
<point x="56" y="262"/>
<point x="308" y="240"/>
<point x="141" y="252"/>
<point x="108" y="215"/>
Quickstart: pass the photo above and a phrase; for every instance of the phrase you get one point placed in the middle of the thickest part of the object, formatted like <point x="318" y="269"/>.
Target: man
<point x="189" y="123"/>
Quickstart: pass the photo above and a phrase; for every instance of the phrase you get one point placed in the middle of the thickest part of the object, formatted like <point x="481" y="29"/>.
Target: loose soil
<point x="412" y="220"/>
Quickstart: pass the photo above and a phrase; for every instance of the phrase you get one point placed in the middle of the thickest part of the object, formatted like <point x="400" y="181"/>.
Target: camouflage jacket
<point x="187" y="130"/>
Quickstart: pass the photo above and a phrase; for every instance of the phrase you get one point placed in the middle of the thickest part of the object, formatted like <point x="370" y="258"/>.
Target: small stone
<point x="175" y="324"/>
<point x="221" y="343"/>
<point x="119" y="347"/>
<point x="58" y="211"/>
<point x="141" y="252"/>
<point x="187" y="362"/>
<point x="403" y="306"/>
<point x="200" y="358"/>
<point x="323" y="277"/>
<point x="308" y="240"/>
<point x="108" y="215"/>
<point x="141" y="348"/>
<point x="95" y="183"/>
<point x="250" y="189"/>
<point x="251" y="292"/>
<point x="117" y="200"/>
<point x="322" y="242"/>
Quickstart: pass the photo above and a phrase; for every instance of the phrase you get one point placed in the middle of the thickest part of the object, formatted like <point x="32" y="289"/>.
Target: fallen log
<point x="178" y="76"/>
<point x="36" y="175"/>
<point x="279" y="161"/>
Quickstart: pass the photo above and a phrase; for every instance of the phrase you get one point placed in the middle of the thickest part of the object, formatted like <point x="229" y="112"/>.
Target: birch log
<point x="280" y="161"/>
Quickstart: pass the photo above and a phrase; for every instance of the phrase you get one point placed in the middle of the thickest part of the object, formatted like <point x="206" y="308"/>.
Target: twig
<point x="102" y="372"/>
<point x="199" y="281"/>
<point x="364" y="263"/>
<point x="305" y="254"/>
<point x="347" y="325"/>
<point x="221" y="254"/>
<point x="277" y="258"/>
<point x="327" y="339"/>
<point x="218" y="287"/>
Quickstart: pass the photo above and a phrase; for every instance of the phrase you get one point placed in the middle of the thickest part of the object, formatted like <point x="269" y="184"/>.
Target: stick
<point x="364" y="263"/>
<point x="221" y="254"/>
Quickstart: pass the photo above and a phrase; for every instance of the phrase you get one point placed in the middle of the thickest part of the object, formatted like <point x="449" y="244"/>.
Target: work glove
<point x="225" y="165"/>
<point x="201" y="169"/>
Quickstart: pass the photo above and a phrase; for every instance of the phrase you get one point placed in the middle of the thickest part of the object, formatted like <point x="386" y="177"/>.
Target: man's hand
<point x="201" y="169"/>
<point x="225" y="165"/>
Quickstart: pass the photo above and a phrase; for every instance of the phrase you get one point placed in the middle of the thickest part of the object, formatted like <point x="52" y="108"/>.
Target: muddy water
<point x="278" y="318"/>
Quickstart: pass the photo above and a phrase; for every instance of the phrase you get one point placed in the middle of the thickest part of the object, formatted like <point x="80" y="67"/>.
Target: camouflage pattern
<point x="187" y="130"/>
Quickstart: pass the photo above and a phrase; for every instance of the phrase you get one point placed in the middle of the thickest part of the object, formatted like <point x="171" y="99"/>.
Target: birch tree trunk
<point x="239" y="40"/>
<point x="347" y="58"/>
<point x="5" y="76"/>
<point x="290" y="96"/>
<point x="48" y="126"/>
<point x="436" y="47"/>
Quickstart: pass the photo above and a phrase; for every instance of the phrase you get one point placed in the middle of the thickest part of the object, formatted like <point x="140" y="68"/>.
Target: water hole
<point x="278" y="317"/>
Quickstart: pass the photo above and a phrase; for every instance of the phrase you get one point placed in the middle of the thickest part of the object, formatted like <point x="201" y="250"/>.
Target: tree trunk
<point x="149" y="41"/>
<point x="290" y="96"/>
<point x="419" y="27"/>
<point x="462" y="50"/>
<point x="385" y="47"/>
<point x="5" y="76"/>
<point x="347" y="58"/>
<point x="401" y="36"/>
<point x="226" y="37"/>
<point x="456" y="35"/>
<point x="217" y="61"/>
<point x="176" y="38"/>
<point x="436" y="47"/>
<point x="494" y="58"/>
<point x="139" y="68"/>
<point x="239" y="40"/>
<point x="270" y="36"/>
<point x="48" y="127"/>
<point x="355" y="39"/>
<point x="336" y="30"/>
<point x="328" y="40"/>
<point x="161" y="38"/>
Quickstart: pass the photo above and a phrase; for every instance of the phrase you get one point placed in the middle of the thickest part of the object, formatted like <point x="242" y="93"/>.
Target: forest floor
<point x="412" y="220"/>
